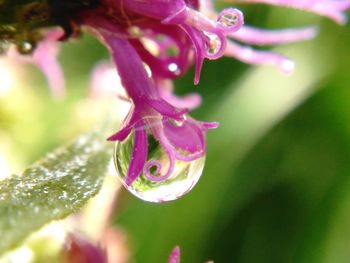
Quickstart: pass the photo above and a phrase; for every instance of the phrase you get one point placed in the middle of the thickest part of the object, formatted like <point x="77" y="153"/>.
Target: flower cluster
<point x="154" y="41"/>
<point x="174" y="28"/>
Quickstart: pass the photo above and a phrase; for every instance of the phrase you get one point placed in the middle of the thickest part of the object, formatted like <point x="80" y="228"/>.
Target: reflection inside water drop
<point x="228" y="19"/>
<point x="213" y="43"/>
<point x="151" y="185"/>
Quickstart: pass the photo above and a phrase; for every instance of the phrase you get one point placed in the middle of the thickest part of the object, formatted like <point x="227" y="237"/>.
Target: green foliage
<point x="52" y="188"/>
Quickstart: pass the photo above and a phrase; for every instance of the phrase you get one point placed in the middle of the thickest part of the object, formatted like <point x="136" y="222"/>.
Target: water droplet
<point x="174" y="68"/>
<point x="228" y="19"/>
<point x="152" y="185"/>
<point x="177" y="123"/>
<point x="213" y="43"/>
<point x="25" y="47"/>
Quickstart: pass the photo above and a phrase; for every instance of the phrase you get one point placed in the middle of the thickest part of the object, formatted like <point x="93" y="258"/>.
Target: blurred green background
<point x="276" y="185"/>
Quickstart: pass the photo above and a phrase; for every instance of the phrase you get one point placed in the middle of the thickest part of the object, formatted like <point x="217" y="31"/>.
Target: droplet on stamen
<point x="213" y="43"/>
<point x="228" y="19"/>
<point x="154" y="184"/>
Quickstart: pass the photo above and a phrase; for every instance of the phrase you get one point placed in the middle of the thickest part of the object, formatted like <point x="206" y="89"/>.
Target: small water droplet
<point x="177" y="123"/>
<point x="151" y="185"/>
<point x="174" y="68"/>
<point x="25" y="47"/>
<point x="228" y="19"/>
<point x="213" y="43"/>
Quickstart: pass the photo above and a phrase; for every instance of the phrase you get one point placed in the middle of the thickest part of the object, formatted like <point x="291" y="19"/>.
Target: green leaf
<point x="52" y="188"/>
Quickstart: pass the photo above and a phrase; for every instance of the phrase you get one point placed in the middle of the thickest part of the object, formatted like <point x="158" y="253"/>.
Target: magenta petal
<point x="121" y="134"/>
<point x="190" y="101"/>
<point x="158" y="165"/>
<point x="251" y="56"/>
<point x="198" y="69"/>
<point x="199" y="47"/>
<point x="158" y="9"/>
<point x="188" y="136"/>
<point x="258" y="36"/>
<point x="128" y="124"/>
<point x="139" y="155"/>
<point x="166" y="91"/>
<point x="167" y="109"/>
<point x="130" y="68"/>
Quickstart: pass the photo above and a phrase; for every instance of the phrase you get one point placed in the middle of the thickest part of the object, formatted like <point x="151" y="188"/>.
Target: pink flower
<point x="152" y="111"/>
<point x="168" y="36"/>
<point x="154" y="41"/>
<point x="169" y="25"/>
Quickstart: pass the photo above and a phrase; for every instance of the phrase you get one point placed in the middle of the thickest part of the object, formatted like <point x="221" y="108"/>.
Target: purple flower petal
<point x="139" y="154"/>
<point x="190" y="130"/>
<point x="257" y="36"/>
<point x="189" y="101"/>
<point x="251" y="56"/>
<point x="167" y="109"/>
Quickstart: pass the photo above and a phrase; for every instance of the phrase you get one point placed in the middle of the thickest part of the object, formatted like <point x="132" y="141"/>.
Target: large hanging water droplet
<point x="213" y="43"/>
<point x="151" y="185"/>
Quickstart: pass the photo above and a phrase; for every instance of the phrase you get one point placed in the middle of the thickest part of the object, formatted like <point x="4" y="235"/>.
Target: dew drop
<point x="174" y="68"/>
<point x="25" y="47"/>
<point x="150" y="185"/>
<point x="177" y="123"/>
<point x="213" y="43"/>
<point x="228" y="19"/>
